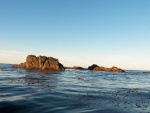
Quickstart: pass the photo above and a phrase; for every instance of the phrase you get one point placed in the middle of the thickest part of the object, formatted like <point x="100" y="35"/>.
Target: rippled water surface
<point x="26" y="91"/>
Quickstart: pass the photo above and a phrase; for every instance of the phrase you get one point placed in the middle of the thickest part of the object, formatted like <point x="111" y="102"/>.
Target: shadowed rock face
<point x="92" y="67"/>
<point x="42" y="63"/>
<point x="78" y="68"/>
<point x="95" y="67"/>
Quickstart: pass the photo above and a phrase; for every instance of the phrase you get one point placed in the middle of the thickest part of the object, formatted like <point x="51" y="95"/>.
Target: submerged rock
<point x="147" y="72"/>
<point x="41" y="63"/>
<point x="95" y="67"/>
<point x="78" y="68"/>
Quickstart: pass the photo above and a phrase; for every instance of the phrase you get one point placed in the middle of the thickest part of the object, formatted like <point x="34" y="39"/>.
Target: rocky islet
<point x="95" y="67"/>
<point x="41" y="63"/>
<point x="50" y="63"/>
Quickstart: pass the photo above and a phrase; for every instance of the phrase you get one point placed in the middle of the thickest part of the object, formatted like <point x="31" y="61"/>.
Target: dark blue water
<point x="26" y="91"/>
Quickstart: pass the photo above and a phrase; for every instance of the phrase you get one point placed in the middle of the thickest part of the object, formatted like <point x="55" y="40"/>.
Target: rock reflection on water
<point x="75" y="91"/>
<point x="41" y="81"/>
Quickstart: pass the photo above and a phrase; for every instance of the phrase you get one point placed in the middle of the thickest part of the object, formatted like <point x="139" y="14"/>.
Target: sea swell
<point x="71" y="91"/>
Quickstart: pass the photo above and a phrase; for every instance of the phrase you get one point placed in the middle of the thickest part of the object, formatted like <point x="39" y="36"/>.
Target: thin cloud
<point x="12" y="57"/>
<point x="14" y="52"/>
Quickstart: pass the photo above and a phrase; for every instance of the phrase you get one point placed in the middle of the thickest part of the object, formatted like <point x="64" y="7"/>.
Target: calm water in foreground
<point x="23" y="91"/>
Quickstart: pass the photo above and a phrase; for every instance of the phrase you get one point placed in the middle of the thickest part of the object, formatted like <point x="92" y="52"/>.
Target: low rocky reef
<point x="95" y="67"/>
<point x="77" y="68"/>
<point x="41" y="63"/>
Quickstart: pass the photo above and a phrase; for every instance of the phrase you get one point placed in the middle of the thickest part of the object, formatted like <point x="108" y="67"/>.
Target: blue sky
<point x="77" y="32"/>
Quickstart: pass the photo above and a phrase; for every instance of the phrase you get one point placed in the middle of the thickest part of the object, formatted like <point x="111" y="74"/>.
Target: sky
<point x="77" y="32"/>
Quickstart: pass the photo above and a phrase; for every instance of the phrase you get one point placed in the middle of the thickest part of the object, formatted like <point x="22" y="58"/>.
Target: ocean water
<point x="30" y="91"/>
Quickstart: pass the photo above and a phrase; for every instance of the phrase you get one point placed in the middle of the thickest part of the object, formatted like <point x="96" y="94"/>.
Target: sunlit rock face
<point x="41" y="63"/>
<point x="95" y="67"/>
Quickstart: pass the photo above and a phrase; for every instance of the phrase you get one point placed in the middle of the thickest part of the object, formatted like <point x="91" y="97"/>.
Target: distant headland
<point x="50" y="63"/>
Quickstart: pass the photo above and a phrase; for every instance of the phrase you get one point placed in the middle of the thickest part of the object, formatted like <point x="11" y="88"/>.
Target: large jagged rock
<point x="32" y="62"/>
<point x="42" y="60"/>
<point x="41" y="63"/>
<point x="95" y="67"/>
<point x="51" y="64"/>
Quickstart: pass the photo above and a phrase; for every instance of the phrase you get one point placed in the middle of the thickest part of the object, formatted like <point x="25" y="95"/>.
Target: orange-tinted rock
<point x="21" y="65"/>
<point x="78" y="68"/>
<point x="42" y="60"/>
<point x="99" y="68"/>
<point x="42" y="63"/>
<point x="95" y="67"/>
<point x="32" y="62"/>
<point x="52" y="64"/>
<point x="115" y="69"/>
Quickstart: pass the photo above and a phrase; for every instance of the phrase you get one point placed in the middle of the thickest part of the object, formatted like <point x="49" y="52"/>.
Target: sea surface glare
<point x="70" y="91"/>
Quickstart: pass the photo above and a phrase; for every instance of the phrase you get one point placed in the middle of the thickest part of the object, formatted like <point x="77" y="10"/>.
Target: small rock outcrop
<point x="77" y="68"/>
<point x="95" y="67"/>
<point x="41" y="63"/>
<point x="92" y="67"/>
